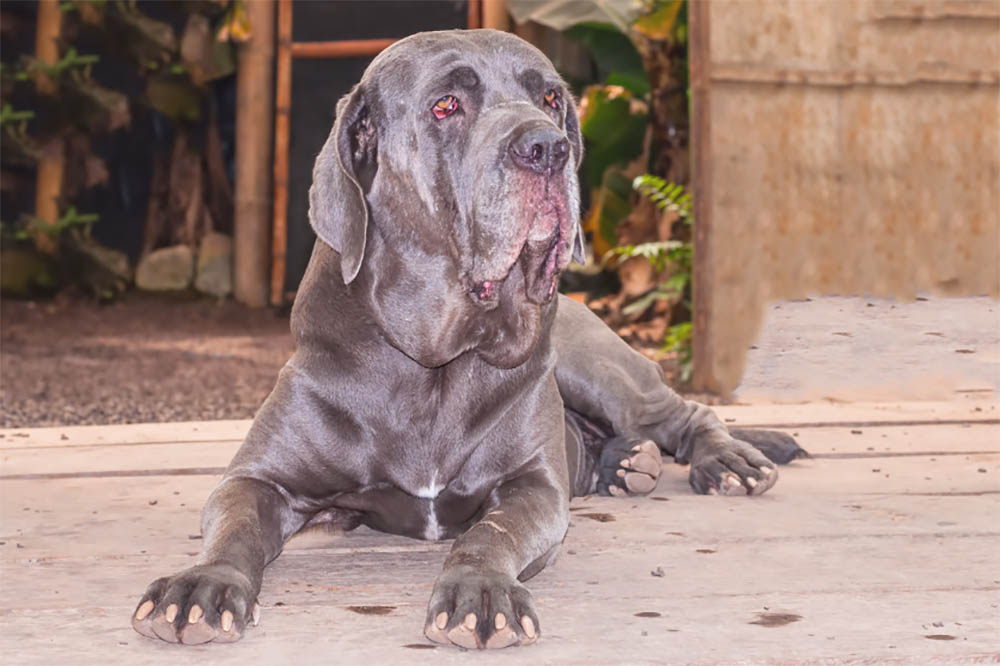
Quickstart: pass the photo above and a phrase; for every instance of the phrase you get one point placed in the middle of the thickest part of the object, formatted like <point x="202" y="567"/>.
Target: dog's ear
<point x="342" y="177"/>
<point x="576" y="144"/>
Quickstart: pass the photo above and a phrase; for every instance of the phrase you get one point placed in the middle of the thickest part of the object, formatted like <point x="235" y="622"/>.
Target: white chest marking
<point x="432" y="531"/>
<point x="431" y="490"/>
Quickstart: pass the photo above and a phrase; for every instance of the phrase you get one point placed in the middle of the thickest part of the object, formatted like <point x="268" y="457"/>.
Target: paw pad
<point x="629" y="467"/>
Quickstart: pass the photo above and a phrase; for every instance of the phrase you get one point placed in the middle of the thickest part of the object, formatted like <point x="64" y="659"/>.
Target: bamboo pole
<point x="51" y="165"/>
<point x="495" y="14"/>
<point x="254" y="95"/>
<point x="475" y="17"/>
<point x="340" y="49"/>
<point x="282" y="113"/>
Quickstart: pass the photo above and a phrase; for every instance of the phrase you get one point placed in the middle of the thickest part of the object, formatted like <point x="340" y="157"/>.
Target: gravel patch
<point x="144" y="359"/>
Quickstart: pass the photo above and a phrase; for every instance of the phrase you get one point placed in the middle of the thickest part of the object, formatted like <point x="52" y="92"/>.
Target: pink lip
<point x="485" y="291"/>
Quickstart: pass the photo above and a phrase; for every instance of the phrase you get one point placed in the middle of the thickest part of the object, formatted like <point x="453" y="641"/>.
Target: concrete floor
<point x="882" y="549"/>
<point x="856" y="348"/>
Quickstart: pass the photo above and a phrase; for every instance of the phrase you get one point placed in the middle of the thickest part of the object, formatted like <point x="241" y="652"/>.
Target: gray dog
<point x="440" y="388"/>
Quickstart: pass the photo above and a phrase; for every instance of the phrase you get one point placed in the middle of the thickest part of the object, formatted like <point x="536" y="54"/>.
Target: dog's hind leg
<point x="779" y="447"/>
<point x="609" y="464"/>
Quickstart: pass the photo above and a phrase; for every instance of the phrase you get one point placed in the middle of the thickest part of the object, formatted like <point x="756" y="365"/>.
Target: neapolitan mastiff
<point x="440" y="387"/>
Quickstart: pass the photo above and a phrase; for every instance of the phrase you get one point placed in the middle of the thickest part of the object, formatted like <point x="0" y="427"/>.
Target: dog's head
<point x="448" y="187"/>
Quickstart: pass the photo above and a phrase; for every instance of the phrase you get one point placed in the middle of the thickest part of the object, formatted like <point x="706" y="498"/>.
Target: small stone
<point x="167" y="269"/>
<point x="215" y="265"/>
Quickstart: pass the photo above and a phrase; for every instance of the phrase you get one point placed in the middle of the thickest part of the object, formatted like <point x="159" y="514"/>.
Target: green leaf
<point x="665" y="195"/>
<point x="614" y="53"/>
<point x="613" y="132"/>
<point x="175" y="97"/>
<point x="637" y="85"/>
<point x="660" y="23"/>
<point x="641" y="304"/>
<point x="613" y="206"/>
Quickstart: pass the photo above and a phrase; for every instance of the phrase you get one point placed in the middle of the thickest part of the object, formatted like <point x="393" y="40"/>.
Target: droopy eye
<point x="552" y="98"/>
<point x="445" y="106"/>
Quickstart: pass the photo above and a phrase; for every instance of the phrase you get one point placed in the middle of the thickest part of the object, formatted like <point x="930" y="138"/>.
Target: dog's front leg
<point x="478" y="600"/>
<point x="603" y="379"/>
<point x="244" y="524"/>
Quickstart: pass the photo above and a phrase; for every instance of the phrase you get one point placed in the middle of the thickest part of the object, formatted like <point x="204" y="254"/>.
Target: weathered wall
<point x="854" y="149"/>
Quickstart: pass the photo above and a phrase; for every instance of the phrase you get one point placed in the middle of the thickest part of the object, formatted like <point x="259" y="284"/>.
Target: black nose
<point x="539" y="148"/>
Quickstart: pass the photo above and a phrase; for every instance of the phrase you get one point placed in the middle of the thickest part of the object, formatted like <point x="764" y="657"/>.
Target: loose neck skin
<point x="403" y="306"/>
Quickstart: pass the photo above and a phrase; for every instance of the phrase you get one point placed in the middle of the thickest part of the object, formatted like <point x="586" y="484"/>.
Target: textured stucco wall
<point x="855" y="149"/>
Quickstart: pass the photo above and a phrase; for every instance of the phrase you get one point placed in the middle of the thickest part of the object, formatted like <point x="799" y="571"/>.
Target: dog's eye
<point x="445" y="106"/>
<point x="552" y="98"/>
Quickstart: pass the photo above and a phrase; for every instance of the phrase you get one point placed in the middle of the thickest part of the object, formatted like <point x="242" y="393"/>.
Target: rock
<point x="167" y="269"/>
<point x="215" y="265"/>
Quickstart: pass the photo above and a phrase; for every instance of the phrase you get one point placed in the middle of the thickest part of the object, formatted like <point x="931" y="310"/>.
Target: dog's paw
<point x="628" y="466"/>
<point x="202" y="604"/>
<point x="480" y="609"/>
<point x="732" y="468"/>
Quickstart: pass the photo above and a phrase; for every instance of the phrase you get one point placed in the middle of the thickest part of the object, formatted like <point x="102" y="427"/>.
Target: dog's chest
<point x="437" y="465"/>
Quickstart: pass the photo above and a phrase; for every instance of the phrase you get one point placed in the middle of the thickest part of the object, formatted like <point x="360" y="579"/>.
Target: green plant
<point x="662" y="255"/>
<point x="673" y="255"/>
<point x="72" y="221"/>
<point x="678" y="339"/>
<point x="666" y="196"/>
<point x="8" y="116"/>
<point x="636" y="120"/>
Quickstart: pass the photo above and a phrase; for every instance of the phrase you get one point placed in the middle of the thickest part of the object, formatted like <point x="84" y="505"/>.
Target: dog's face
<point x="459" y="149"/>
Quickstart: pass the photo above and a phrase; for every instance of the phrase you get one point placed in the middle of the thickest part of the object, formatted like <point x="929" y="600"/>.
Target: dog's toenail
<point x="144" y="610"/>
<point x="752" y="482"/>
<point x="500" y="621"/>
<point x="171" y="613"/>
<point x="441" y="620"/>
<point x="625" y="463"/>
<point x="621" y="473"/>
<point x="255" y="615"/>
<point x="195" y="614"/>
<point x="227" y="620"/>
<point x="470" y="621"/>
<point x="528" y="625"/>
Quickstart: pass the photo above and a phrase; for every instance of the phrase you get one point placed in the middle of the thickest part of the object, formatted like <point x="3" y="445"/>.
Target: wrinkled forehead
<point x="500" y="62"/>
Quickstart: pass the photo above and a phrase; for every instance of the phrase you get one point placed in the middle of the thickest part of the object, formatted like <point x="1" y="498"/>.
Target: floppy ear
<point x="342" y="175"/>
<point x="576" y="143"/>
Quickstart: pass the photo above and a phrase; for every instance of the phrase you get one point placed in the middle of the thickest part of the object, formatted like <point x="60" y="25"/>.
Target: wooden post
<point x="700" y="58"/>
<point x="49" y="175"/>
<point x="282" y="114"/>
<point x="254" y="95"/>
<point x="494" y="14"/>
<point x="475" y="17"/>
